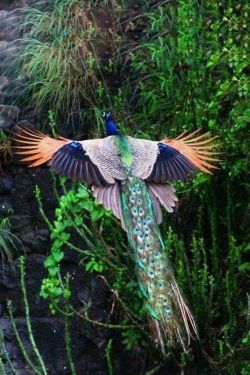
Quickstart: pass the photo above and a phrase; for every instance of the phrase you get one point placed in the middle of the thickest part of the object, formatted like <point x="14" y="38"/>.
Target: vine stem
<point x="28" y="323"/>
<point x="2" y="369"/>
<point x="68" y="347"/>
<point x="19" y="340"/>
<point x="96" y="322"/>
<point x="5" y="353"/>
<point x="154" y="370"/>
<point x="108" y="350"/>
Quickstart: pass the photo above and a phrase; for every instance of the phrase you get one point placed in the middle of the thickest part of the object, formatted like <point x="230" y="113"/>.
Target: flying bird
<point x="131" y="177"/>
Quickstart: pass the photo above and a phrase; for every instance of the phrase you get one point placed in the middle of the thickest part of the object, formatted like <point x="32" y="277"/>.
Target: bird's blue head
<point x="111" y="127"/>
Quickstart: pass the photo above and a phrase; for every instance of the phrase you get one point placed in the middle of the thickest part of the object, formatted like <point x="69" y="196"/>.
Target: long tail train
<point x="170" y="319"/>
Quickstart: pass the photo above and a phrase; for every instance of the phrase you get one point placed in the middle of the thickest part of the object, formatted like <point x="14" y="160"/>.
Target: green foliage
<point x="69" y="215"/>
<point x="131" y="338"/>
<point x="3" y="137"/>
<point x="5" y="148"/>
<point x="76" y="210"/>
<point x="216" y="301"/>
<point x="192" y="70"/>
<point x="8" y="241"/>
<point x="94" y="266"/>
<point x="62" y="55"/>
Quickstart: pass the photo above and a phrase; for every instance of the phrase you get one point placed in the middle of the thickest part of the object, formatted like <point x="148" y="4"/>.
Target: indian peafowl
<point x="131" y="177"/>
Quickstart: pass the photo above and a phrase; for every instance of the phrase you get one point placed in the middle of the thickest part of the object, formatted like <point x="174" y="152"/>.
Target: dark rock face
<point x="6" y="205"/>
<point x="8" y="114"/>
<point x="6" y="184"/>
<point x="10" y="25"/>
<point x="10" y="111"/>
<point x="5" y="122"/>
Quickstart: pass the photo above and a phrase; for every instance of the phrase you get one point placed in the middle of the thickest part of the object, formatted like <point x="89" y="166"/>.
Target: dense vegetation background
<point x="162" y="67"/>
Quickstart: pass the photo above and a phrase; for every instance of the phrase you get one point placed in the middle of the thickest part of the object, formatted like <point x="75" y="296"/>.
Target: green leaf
<point x="82" y="193"/>
<point x="53" y="271"/>
<point x="87" y="205"/>
<point x="50" y="262"/>
<point x="57" y="291"/>
<point x="244" y="267"/>
<point x="43" y="294"/>
<point x="58" y="256"/>
<point x="66" y="293"/>
<point x="96" y="215"/>
<point x="78" y="220"/>
<point x="65" y="236"/>
<point x="90" y="265"/>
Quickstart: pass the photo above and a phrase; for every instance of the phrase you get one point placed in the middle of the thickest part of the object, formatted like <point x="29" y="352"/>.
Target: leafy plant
<point x="8" y="241"/>
<point x="5" y="148"/>
<point x="76" y="208"/>
<point x="64" y="55"/>
<point x="131" y="338"/>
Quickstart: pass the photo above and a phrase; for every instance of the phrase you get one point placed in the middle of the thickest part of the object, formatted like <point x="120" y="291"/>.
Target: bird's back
<point x="124" y="152"/>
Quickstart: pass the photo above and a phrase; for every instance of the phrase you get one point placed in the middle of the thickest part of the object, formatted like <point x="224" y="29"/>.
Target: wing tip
<point x="36" y="146"/>
<point x="199" y="150"/>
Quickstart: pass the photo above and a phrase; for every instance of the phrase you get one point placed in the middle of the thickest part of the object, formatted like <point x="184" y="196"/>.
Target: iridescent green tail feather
<point x="170" y="319"/>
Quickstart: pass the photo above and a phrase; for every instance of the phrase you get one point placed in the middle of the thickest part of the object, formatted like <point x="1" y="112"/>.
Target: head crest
<point x="107" y="115"/>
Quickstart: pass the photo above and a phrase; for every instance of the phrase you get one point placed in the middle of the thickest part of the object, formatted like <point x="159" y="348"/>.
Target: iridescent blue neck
<point x="111" y="128"/>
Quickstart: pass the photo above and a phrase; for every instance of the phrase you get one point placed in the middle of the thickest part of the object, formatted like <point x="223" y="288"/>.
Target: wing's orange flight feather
<point x="197" y="149"/>
<point x="37" y="147"/>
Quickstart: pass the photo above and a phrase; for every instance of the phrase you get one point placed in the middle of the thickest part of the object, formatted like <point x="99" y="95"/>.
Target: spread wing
<point x="173" y="159"/>
<point x="92" y="161"/>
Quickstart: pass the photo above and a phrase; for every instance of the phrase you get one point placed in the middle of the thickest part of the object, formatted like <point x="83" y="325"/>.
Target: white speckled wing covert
<point x="145" y="153"/>
<point x="104" y="154"/>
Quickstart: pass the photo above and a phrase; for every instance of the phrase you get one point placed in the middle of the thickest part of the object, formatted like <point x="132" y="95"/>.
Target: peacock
<point x="131" y="177"/>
